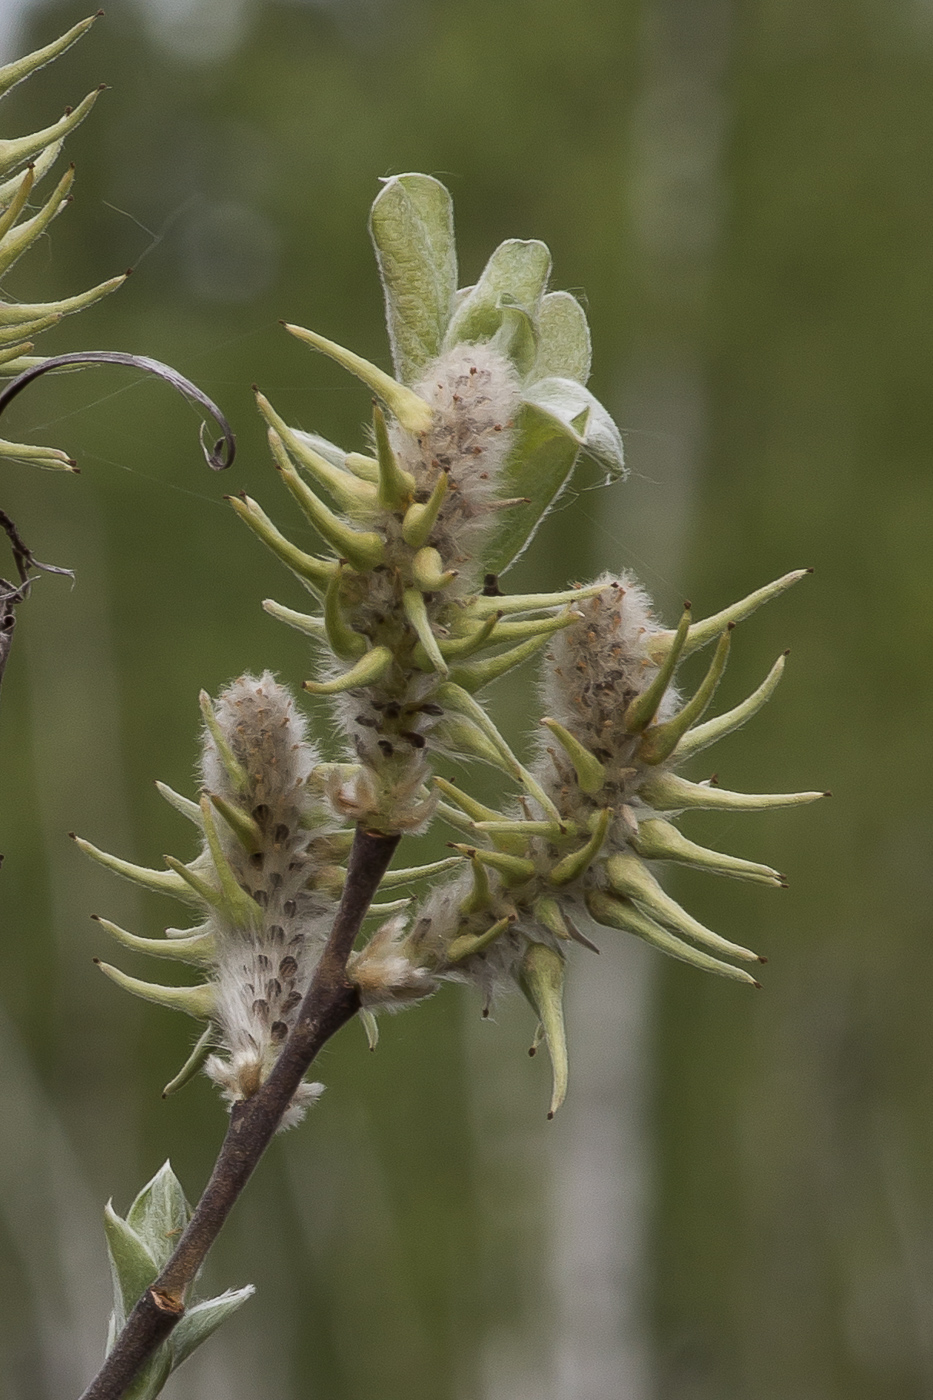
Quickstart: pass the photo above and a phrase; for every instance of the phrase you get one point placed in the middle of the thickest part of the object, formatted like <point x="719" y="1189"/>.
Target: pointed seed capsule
<point x="393" y="878"/>
<point x="417" y="614"/>
<point x="644" y="707"/>
<point x="548" y="913"/>
<point x="194" y="1062"/>
<point x="344" y="641"/>
<point x="198" y="949"/>
<point x="194" y="1001"/>
<point x="669" y="793"/>
<point x="661" y="740"/>
<point x="591" y="774"/>
<point x="17" y="313"/>
<point x="348" y="492"/>
<point x="363" y="548"/>
<point x="574" y="865"/>
<point x="481" y="606"/>
<point x="659" y="840"/>
<point x="20" y="68"/>
<point x="396" y="486"/>
<point x="162" y="881"/>
<point x="411" y="411"/>
<point x="303" y="622"/>
<point x="480" y="896"/>
<point x="474" y="675"/>
<point x="708" y="628"/>
<point x="232" y="765"/>
<point x="184" y="805"/>
<point x="702" y="735"/>
<point x="470" y="943"/>
<point x="427" y="569"/>
<point x="623" y="915"/>
<point x="420" y="519"/>
<point x="514" y="870"/>
<point x="629" y="877"/>
<point x="247" y="831"/>
<point x="15" y="152"/>
<point x="369" y="669"/>
<point x="370" y="1026"/>
<point x="314" y="573"/>
<point x="542" y="981"/>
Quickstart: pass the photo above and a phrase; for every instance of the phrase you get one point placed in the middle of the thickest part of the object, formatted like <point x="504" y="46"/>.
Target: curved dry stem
<point x="216" y="459"/>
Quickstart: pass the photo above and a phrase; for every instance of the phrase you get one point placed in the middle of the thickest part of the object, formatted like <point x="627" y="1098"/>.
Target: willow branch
<point x="331" y="1001"/>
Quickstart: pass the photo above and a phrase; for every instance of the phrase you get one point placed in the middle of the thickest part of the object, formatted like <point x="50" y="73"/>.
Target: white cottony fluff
<point x="383" y="972"/>
<point x="595" y="668"/>
<point x="474" y="392"/>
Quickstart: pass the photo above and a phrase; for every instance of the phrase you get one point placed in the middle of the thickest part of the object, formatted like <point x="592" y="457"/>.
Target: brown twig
<point x="10" y="593"/>
<point x="331" y="1001"/>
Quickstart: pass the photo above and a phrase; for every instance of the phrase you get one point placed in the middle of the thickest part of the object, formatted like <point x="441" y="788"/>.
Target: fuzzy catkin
<point x="263" y="971"/>
<point x="592" y="673"/>
<point x="474" y="392"/>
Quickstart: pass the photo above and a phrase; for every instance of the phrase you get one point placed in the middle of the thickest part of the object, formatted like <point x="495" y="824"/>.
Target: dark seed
<point x="290" y="906"/>
<point x="260" y="813"/>
<point x="281" y="833"/>
<point x="291" y="1001"/>
<point x="288" y="967"/>
<point x="256" y="860"/>
<point x="273" y="989"/>
<point x="260" y="1008"/>
<point x="278" y="1031"/>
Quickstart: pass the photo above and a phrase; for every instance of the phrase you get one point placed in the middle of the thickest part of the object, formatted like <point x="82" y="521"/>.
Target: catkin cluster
<point x="472" y="441"/>
<point x="597" y="812"/>
<point x="263" y="888"/>
<point x="257" y="761"/>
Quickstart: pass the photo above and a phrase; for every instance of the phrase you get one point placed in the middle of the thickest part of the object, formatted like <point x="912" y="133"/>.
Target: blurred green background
<point x="737" y="1201"/>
